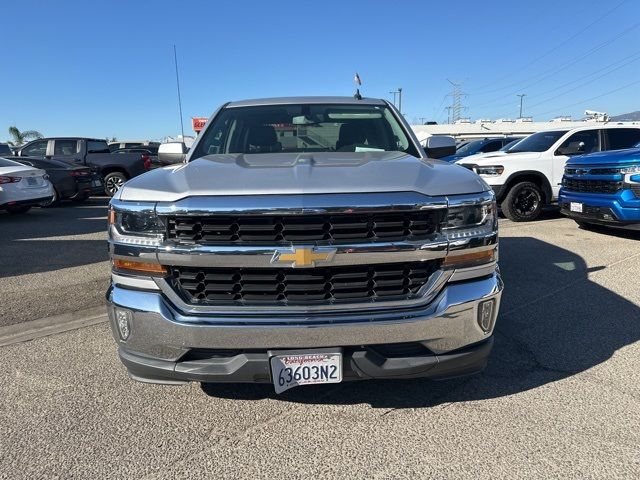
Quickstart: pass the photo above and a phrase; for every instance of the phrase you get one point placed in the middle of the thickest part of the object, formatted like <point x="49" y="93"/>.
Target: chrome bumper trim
<point x="252" y="257"/>
<point x="145" y="283"/>
<point x="449" y="322"/>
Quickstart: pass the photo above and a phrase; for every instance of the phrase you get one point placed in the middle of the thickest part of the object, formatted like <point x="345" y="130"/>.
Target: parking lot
<point x="560" y="397"/>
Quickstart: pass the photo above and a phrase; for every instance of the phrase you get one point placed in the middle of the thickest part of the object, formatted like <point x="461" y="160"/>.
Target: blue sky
<point x="106" y="68"/>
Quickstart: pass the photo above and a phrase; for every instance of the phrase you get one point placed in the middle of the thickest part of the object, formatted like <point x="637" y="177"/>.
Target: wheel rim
<point x="526" y="202"/>
<point x="112" y="184"/>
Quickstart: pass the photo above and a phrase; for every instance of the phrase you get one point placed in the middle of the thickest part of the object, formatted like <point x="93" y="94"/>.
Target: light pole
<point x="521" y="95"/>
<point x="394" y="97"/>
<point x="400" y="100"/>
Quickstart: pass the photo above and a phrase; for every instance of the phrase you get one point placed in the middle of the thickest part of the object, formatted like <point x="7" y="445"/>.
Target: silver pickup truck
<point x="304" y="241"/>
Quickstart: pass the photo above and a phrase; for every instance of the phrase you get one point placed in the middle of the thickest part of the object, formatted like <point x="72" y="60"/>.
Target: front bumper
<point x="31" y="202"/>
<point x="162" y="339"/>
<point x="620" y="210"/>
<point x="93" y="186"/>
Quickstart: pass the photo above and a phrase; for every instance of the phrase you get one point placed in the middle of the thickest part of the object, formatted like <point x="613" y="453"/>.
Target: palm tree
<point x="18" y="137"/>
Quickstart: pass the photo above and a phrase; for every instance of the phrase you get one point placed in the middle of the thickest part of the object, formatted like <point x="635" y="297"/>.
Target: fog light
<point x="485" y="315"/>
<point x="123" y="321"/>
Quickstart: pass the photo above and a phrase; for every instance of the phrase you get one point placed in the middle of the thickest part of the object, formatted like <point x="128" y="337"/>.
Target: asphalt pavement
<point x="53" y="260"/>
<point x="559" y="399"/>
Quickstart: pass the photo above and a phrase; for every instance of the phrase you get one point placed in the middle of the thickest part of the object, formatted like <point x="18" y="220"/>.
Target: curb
<point x="43" y="327"/>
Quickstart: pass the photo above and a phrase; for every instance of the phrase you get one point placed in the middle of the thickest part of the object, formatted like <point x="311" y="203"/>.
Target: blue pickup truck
<point x="603" y="188"/>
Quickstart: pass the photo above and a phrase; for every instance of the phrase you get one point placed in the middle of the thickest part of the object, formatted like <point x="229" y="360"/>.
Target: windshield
<point x="538" y="142"/>
<point x="304" y="128"/>
<point x="510" y="144"/>
<point x="469" y="148"/>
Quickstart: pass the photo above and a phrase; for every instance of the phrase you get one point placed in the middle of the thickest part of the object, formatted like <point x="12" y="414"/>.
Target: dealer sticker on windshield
<point x="575" y="207"/>
<point x="294" y="369"/>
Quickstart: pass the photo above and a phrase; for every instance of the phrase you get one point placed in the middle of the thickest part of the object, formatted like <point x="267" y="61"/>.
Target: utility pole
<point x="421" y="120"/>
<point x="456" y="106"/>
<point x="400" y="100"/>
<point x="521" y="95"/>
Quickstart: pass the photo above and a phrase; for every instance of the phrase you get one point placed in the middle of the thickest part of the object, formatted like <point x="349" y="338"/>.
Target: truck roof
<point x="305" y="100"/>
<point x="69" y="138"/>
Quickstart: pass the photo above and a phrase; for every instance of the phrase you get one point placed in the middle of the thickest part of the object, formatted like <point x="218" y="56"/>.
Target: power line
<point x="591" y="99"/>
<point x="576" y="87"/>
<point x="561" y="44"/>
<point x="553" y="71"/>
<point x="573" y="82"/>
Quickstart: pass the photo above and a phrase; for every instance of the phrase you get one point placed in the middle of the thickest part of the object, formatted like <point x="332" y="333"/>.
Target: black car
<point x="70" y="181"/>
<point x="485" y="145"/>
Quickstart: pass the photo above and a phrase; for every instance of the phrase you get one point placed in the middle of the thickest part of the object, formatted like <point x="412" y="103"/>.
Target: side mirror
<point x="173" y="152"/>
<point x="439" y="146"/>
<point x="574" y="148"/>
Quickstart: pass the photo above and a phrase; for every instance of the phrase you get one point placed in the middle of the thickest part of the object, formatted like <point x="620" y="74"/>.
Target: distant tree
<point x="18" y="137"/>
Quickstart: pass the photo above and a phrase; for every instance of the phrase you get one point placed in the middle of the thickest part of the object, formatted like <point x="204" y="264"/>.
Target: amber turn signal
<point x="111" y="217"/>
<point x="139" y="267"/>
<point x="469" y="259"/>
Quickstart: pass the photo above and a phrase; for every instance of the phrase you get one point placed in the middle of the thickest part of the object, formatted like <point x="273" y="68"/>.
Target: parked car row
<point x="111" y="169"/>
<point x="22" y="187"/>
<point x="528" y="175"/>
<point x="67" y="168"/>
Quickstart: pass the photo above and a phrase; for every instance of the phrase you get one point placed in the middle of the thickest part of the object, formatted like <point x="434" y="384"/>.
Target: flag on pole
<point x="357" y="79"/>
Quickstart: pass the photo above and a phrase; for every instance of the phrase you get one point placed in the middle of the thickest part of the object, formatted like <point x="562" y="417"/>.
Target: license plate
<point x="32" y="181"/>
<point x="575" y="207"/>
<point x="294" y="369"/>
<point x="96" y="183"/>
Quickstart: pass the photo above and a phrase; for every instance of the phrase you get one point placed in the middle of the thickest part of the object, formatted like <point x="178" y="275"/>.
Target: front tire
<point x="112" y="182"/>
<point x="523" y="202"/>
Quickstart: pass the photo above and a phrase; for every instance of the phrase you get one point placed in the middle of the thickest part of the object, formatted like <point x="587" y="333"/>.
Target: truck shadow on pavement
<point x="38" y="241"/>
<point x="554" y="323"/>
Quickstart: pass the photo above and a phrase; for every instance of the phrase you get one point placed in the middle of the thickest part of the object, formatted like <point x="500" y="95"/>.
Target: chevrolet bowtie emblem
<point x="304" y="257"/>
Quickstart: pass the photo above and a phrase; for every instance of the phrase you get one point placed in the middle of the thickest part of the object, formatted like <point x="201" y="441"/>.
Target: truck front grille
<point x="275" y="229"/>
<point x="301" y="286"/>
<point x="591" y="186"/>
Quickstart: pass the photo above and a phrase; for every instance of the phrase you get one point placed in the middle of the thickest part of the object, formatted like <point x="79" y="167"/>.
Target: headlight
<point x="493" y="170"/>
<point x="135" y="223"/>
<point x="471" y="220"/>
<point x="633" y="169"/>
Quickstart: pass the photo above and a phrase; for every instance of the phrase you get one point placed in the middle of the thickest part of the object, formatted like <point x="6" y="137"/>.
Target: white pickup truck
<point x="528" y="176"/>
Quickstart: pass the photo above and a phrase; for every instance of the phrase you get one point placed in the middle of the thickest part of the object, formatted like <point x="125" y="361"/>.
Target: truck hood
<point x="613" y="157"/>
<point x="295" y="173"/>
<point x="499" y="158"/>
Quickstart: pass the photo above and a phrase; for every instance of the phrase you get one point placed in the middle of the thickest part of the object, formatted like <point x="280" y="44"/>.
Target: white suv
<point x="528" y="176"/>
